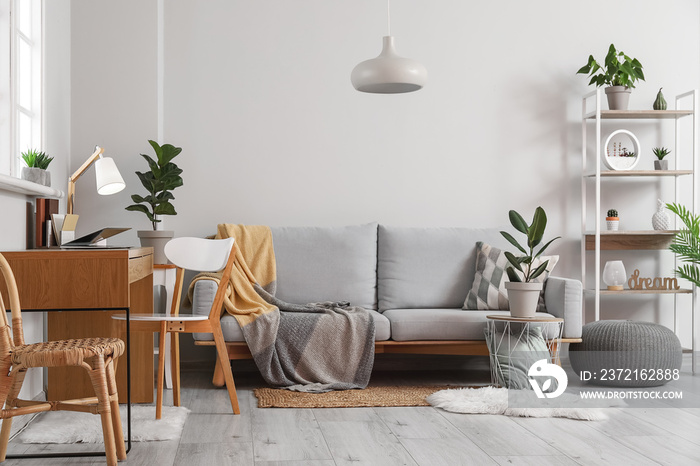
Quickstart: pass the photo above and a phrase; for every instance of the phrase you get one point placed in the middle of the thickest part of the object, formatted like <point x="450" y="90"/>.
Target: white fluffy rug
<point x="70" y="427"/>
<point x="492" y="400"/>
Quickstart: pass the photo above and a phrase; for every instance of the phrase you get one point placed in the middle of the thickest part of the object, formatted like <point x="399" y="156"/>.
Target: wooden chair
<point x="96" y="355"/>
<point x="202" y="255"/>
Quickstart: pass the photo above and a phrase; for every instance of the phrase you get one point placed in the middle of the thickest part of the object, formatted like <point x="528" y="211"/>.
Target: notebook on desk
<point x="93" y="239"/>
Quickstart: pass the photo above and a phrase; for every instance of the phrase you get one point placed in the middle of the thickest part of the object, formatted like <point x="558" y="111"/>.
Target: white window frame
<point x="10" y="107"/>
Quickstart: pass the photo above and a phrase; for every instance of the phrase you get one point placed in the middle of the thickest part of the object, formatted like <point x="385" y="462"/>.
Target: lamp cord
<point x="388" y="16"/>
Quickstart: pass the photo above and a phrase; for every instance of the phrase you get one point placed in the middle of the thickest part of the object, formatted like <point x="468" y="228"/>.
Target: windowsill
<point x="17" y="185"/>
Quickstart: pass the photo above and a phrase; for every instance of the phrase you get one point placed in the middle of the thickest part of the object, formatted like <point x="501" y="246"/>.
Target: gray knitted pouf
<point x="625" y="353"/>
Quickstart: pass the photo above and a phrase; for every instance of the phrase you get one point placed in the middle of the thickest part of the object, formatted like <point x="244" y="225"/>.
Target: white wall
<point x="258" y="94"/>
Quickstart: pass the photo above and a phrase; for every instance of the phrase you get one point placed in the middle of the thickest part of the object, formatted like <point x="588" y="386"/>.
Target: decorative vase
<point x="614" y="275"/>
<point x="523" y="298"/>
<point x="156" y="239"/>
<point x="661" y="220"/>
<point x="660" y="164"/>
<point x="618" y="97"/>
<point x="36" y="175"/>
<point x="613" y="223"/>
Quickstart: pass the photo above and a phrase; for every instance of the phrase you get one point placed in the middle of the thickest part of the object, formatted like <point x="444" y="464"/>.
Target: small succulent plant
<point x="35" y="159"/>
<point x="612" y="213"/>
<point x="661" y="152"/>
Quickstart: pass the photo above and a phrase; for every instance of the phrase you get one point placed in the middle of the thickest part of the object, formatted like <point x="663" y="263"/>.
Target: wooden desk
<point x="76" y="283"/>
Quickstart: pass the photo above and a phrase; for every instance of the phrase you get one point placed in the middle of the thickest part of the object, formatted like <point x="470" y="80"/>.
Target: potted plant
<point x="619" y="72"/>
<point x="686" y="243"/>
<point x="159" y="181"/>
<point x="37" y="163"/>
<point x="660" y="153"/>
<point x="612" y="220"/>
<point x="523" y="293"/>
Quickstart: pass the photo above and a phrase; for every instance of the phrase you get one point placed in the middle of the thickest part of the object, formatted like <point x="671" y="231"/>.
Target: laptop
<point x="92" y="240"/>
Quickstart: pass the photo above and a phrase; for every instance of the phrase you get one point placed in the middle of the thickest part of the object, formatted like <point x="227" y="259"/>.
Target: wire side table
<point x="512" y="348"/>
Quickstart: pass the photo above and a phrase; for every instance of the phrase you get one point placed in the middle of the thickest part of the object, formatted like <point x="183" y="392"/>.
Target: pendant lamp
<point x="389" y="73"/>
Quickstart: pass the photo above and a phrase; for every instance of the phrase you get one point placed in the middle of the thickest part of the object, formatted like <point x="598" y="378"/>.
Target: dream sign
<point x="666" y="283"/>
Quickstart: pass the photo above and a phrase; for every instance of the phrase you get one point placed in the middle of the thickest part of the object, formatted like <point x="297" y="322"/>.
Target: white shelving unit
<point x="593" y="239"/>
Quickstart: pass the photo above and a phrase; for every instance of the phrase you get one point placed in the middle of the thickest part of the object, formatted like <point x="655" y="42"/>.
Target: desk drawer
<point x="140" y="267"/>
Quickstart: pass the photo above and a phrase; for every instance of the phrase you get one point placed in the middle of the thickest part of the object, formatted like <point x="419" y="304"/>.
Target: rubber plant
<point x="534" y="233"/>
<point x="686" y="243"/>
<point x="159" y="181"/>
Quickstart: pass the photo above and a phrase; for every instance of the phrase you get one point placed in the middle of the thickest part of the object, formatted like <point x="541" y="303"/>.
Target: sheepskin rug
<point x="492" y="400"/>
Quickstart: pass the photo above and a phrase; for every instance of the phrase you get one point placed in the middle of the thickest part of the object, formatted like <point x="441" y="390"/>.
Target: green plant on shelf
<point x="617" y="70"/>
<point x="686" y="243"/>
<point x="612" y="213"/>
<point x="660" y="152"/>
<point x="35" y="159"/>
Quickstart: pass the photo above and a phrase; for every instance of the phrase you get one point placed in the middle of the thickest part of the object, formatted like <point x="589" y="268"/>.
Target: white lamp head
<point x="107" y="176"/>
<point x="614" y="275"/>
<point x="389" y="73"/>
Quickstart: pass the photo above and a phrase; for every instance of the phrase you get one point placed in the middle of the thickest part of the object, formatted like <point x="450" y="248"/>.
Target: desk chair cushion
<point x="65" y="352"/>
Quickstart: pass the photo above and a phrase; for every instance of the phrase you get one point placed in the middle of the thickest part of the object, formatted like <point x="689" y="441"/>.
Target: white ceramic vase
<point x="618" y="97"/>
<point x="523" y="298"/>
<point x="661" y="220"/>
<point x="613" y="225"/>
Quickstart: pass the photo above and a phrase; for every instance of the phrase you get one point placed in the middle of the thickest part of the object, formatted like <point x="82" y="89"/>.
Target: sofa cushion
<point x="232" y="331"/>
<point x="443" y="324"/>
<point x="327" y="264"/>
<point x="428" y="267"/>
<point x="489" y="288"/>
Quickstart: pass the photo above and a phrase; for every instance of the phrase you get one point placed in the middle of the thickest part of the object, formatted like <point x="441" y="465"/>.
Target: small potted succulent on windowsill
<point x="660" y="153"/>
<point x="37" y="163"/>
<point x="523" y="293"/>
<point x="159" y="181"/>
<point x="619" y="72"/>
<point x="612" y="220"/>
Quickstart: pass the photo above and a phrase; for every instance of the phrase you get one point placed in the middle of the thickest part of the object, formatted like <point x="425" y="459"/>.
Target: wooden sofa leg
<point x="218" y="379"/>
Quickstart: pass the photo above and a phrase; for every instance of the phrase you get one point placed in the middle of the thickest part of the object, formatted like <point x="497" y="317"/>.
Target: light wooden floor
<point x="406" y="436"/>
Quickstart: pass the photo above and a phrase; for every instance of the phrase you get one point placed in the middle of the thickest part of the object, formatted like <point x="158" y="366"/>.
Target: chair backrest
<point x="203" y="255"/>
<point x="13" y="297"/>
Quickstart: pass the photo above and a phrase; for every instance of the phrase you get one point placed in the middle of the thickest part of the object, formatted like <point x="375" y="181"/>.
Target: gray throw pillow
<point x="512" y="355"/>
<point x="488" y="291"/>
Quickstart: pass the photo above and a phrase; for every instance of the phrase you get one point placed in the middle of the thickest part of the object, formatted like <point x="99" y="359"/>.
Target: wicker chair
<point x="94" y="354"/>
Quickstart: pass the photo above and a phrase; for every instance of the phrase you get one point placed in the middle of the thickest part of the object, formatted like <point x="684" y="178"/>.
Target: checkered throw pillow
<point x="488" y="291"/>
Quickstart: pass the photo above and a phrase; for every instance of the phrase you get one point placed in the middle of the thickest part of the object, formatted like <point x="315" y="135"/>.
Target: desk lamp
<point x="109" y="180"/>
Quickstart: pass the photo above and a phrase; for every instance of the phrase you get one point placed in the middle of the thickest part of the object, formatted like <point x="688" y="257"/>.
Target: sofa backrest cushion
<point x="428" y="267"/>
<point x="327" y="264"/>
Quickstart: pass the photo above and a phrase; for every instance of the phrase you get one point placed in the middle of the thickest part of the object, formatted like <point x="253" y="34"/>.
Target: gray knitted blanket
<point x="317" y="347"/>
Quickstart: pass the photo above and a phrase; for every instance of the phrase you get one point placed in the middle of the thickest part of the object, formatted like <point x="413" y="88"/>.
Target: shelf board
<point x="628" y="292"/>
<point x="616" y="173"/>
<point x="631" y="240"/>
<point x="640" y="114"/>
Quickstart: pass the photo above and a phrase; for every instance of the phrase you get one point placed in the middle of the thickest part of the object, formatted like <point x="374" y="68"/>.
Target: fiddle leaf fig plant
<point x="617" y="70"/>
<point x="534" y="234"/>
<point x="159" y="181"/>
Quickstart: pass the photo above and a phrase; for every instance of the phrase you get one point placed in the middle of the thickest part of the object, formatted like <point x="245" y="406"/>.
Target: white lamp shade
<point x="109" y="180"/>
<point x="389" y="73"/>
<point x="614" y="275"/>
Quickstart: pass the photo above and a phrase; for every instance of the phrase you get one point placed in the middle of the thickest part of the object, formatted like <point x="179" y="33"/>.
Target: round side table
<point x="515" y="343"/>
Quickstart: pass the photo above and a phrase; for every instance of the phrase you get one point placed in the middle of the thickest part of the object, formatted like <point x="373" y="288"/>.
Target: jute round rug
<point x="371" y="396"/>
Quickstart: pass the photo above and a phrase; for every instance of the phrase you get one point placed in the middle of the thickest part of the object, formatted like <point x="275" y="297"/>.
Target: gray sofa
<point x="413" y="280"/>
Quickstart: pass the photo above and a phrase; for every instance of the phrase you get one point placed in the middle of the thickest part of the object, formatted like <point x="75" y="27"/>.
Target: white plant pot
<point x="36" y="175"/>
<point x="156" y="239"/>
<point x="523" y="298"/>
<point x="613" y="225"/>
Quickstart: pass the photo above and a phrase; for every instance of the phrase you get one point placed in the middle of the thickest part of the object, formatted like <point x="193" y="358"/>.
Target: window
<point x="21" y="91"/>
